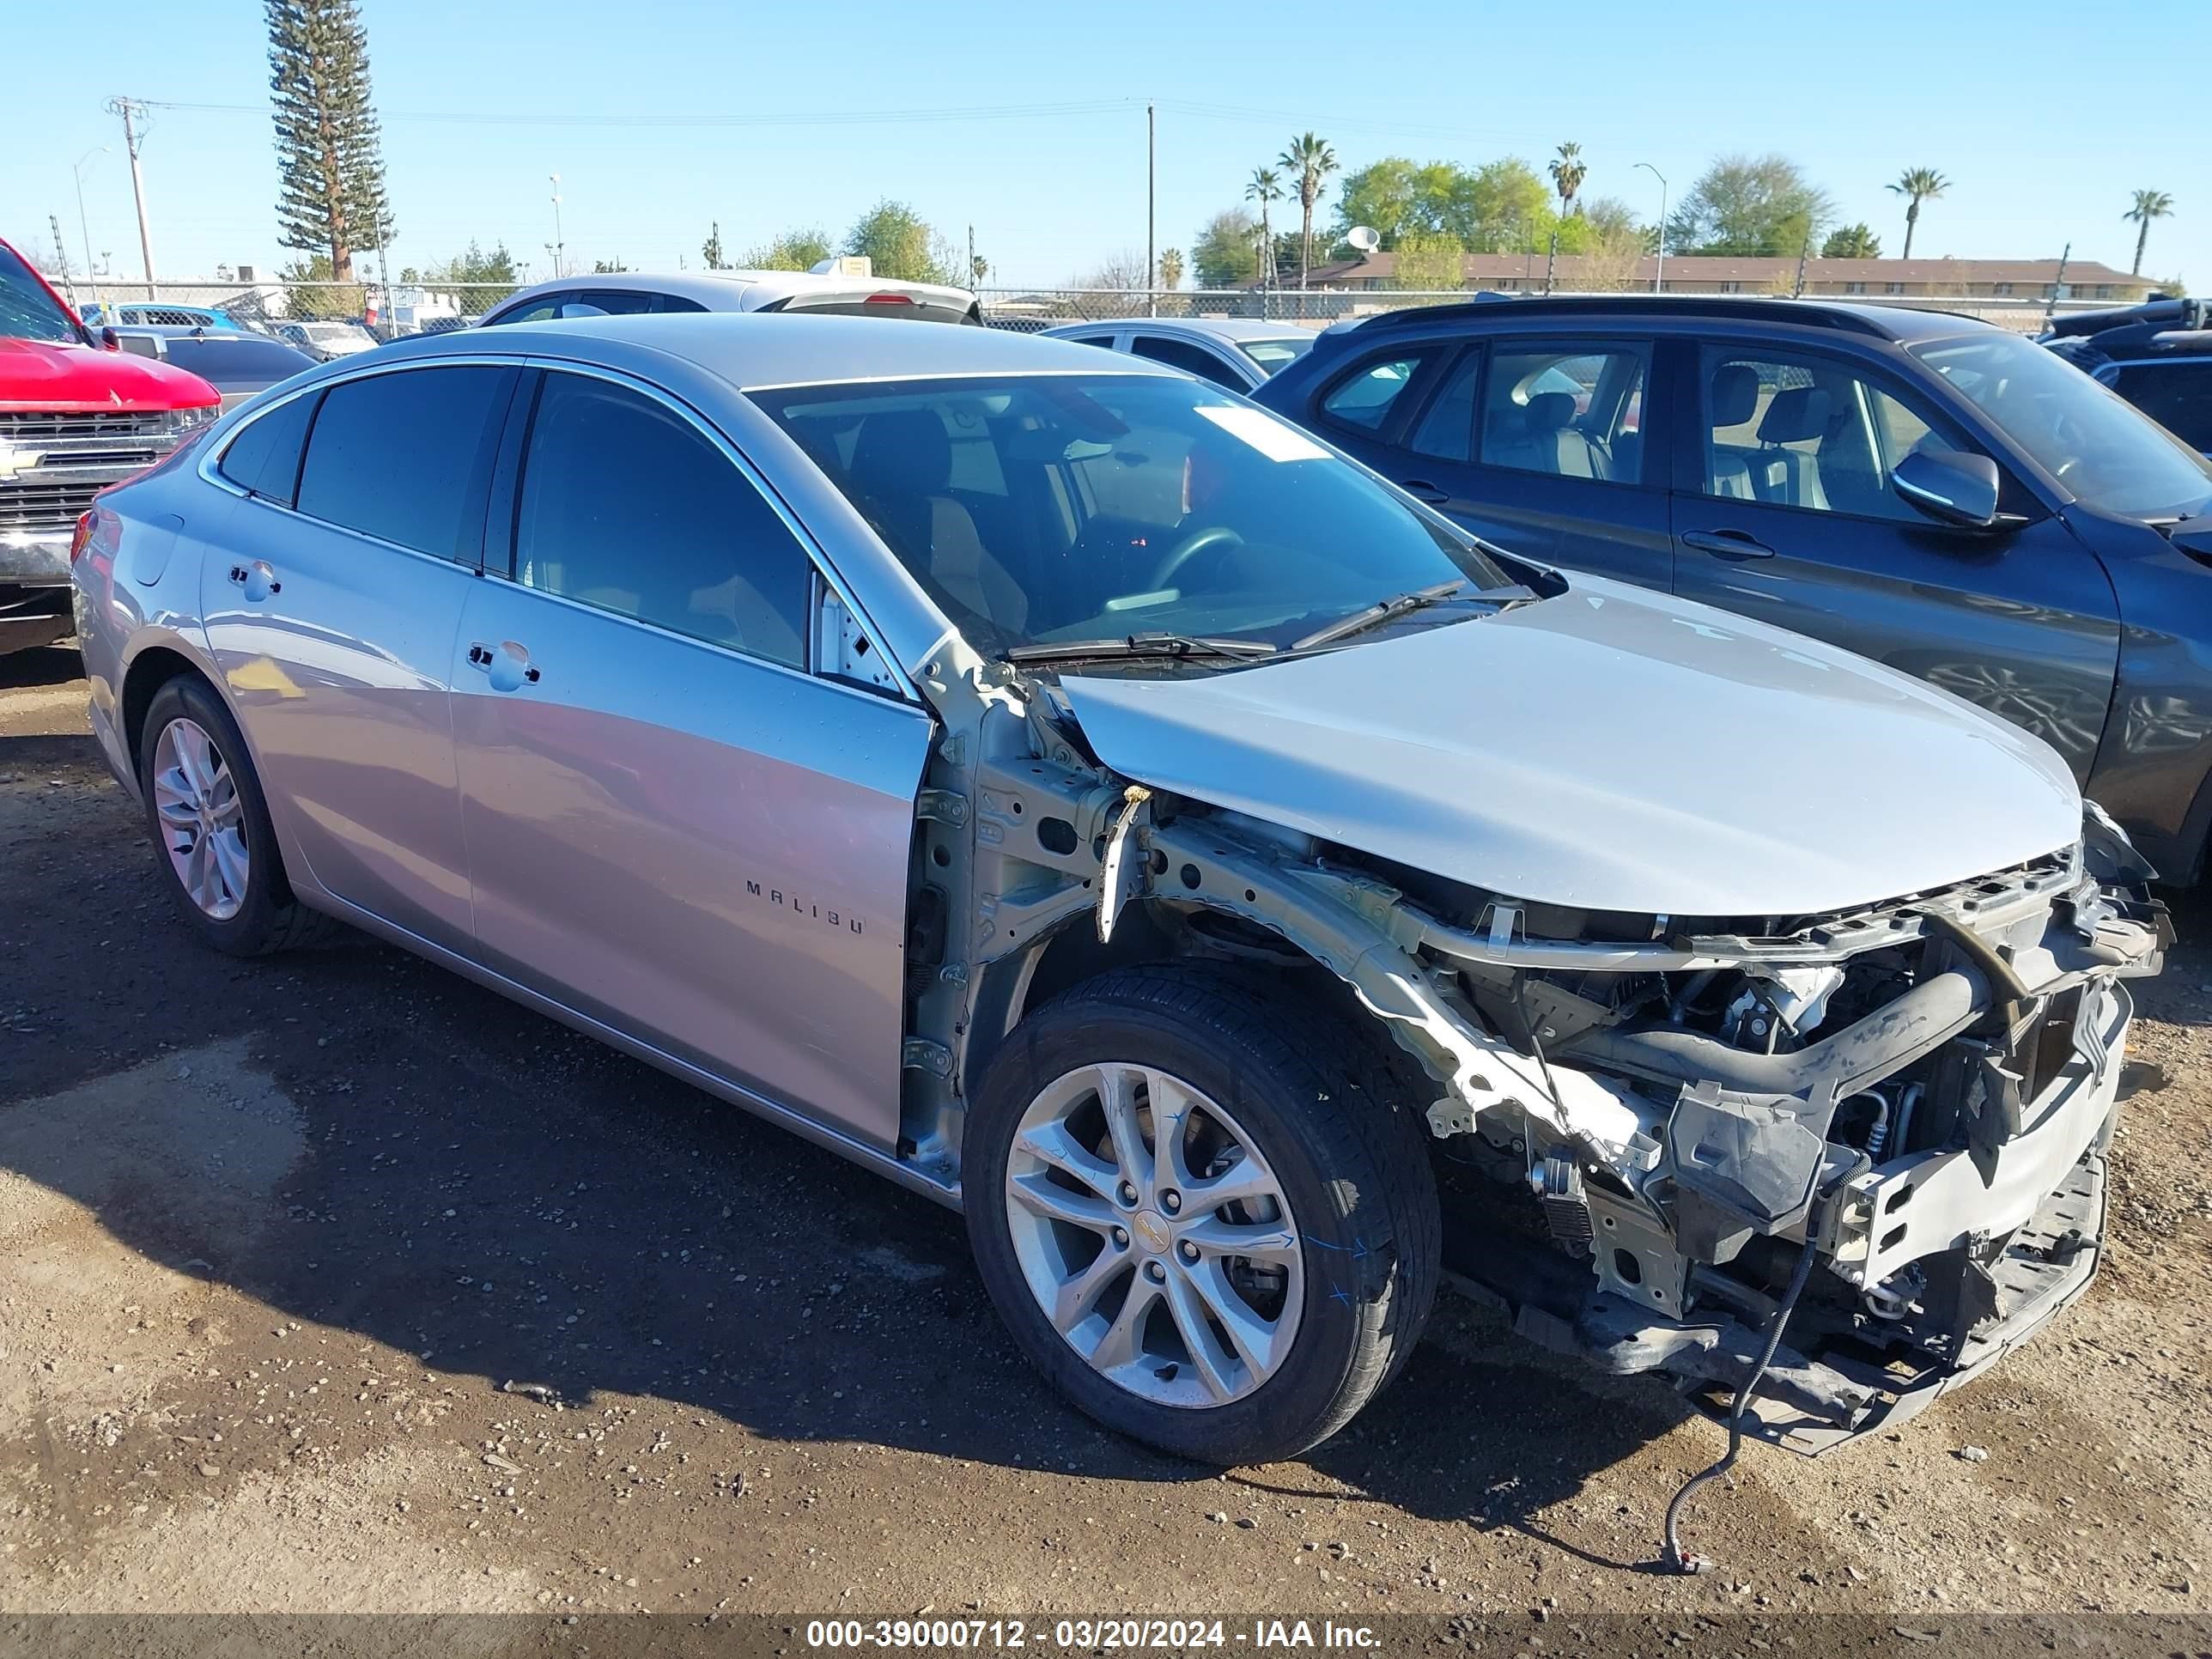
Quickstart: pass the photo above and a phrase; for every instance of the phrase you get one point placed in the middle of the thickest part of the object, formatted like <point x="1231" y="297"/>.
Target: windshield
<point x="1055" y="510"/>
<point x="1275" y="355"/>
<point x="28" y="312"/>
<point x="2092" y="441"/>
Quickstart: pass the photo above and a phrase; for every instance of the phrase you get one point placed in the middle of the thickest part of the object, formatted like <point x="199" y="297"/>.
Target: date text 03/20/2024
<point x="1089" y="1635"/>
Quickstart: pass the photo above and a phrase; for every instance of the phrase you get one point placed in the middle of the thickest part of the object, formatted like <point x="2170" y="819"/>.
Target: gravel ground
<point x="334" y="1282"/>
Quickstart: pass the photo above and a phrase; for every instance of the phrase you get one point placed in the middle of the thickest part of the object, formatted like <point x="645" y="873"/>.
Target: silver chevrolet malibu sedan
<point x="1064" y="787"/>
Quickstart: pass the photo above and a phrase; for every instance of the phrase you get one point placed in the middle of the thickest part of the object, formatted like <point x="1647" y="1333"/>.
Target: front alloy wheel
<point x="1154" y="1236"/>
<point x="1203" y="1207"/>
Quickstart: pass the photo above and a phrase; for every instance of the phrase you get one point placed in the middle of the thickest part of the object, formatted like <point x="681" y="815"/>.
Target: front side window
<point x="2177" y="395"/>
<point x="2084" y="435"/>
<point x="404" y="456"/>
<point x="1575" y="412"/>
<point x="1275" y="355"/>
<point x="1808" y="433"/>
<point x="1182" y="355"/>
<point x="625" y="506"/>
<point x="1133" y="504"/>
<point x="1365" y="399"/>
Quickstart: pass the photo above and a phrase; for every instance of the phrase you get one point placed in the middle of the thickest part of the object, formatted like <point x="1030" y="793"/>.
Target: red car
<point x="76" y="415"/>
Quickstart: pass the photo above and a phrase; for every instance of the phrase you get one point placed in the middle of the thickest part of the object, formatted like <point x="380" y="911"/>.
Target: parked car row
<point x="1096" y="802"/>
<point x="2157" y="356"/>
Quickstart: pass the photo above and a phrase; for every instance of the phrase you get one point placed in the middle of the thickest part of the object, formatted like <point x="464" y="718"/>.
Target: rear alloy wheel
<point x="1200" y="1211"/>
<point x="206" y="813"/>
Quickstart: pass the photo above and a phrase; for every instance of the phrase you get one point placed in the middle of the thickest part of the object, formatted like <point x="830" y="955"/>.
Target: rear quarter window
<point x="263" y="460"/>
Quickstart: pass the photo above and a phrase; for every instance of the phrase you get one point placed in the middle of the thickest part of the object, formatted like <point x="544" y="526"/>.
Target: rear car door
<point x="1541" y="446"/>
<point x="331" y="607"/>
<point x="674" y="828"/>
<point x="1784" y="511"/>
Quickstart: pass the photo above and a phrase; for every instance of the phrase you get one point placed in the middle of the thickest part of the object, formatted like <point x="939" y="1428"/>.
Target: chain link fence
<point x="411" y="308"/>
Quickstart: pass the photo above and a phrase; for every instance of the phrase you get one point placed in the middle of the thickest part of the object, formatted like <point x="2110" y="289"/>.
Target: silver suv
<point x="1059" y="785"/>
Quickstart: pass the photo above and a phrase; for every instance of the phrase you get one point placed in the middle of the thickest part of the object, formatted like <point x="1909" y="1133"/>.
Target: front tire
<point x="1233" y="1291"/>
<point x="209" y="822"/>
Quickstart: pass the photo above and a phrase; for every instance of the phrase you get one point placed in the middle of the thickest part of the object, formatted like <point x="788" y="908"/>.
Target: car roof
<point x="1234" y="329"/>
<point x="734" y="291"/>
<point x="755" y="349"/>
<point x="1899" y="324"/>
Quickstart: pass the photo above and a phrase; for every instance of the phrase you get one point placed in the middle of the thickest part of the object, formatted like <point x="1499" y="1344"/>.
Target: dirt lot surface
<point x="331" y="1282"/>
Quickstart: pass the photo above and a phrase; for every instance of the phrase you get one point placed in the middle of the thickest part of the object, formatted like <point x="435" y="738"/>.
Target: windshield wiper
<point x="1138" y="645"/>
<point x="1400" y="604"/>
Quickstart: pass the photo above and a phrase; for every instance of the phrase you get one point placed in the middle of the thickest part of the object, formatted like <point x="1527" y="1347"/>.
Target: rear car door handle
<point x="259" y="580"/>
<point x="1422" y="491"/>
<point x="507" y="665"/>
<point x="1728" y="544"/>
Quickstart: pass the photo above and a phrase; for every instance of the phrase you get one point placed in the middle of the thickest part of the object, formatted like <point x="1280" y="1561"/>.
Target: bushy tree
<point x="1749" y="205"/>
<point x="795" y="250"/>
<point x="898" y="243"/>
<point x="1851" y="242"/>
<point x="711" y="249"/>
<point x="312" y="292"/>
<point x="1430" y="262"/>
<point x="1225" y="253"/>
<point x="329" y="156"/>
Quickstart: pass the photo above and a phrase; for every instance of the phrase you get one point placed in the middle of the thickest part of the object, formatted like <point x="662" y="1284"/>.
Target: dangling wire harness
<point x="1674" y="1558"/>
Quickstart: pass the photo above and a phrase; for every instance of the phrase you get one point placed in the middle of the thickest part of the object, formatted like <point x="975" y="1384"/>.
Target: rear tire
<point x="1285" y="1096"/>
<point x="213" y="843"/>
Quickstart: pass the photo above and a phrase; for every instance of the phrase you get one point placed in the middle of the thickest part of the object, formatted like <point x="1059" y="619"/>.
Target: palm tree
<point x="1917" y="185"/>
<point x="1264" y="185"/>
<point x="2149" y="204"/>
<point x="1567" y="174"/>
<point x="1309" y="160"/>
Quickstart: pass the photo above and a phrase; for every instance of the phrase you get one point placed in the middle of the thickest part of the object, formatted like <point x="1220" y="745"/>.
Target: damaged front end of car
<point x="1653" y="1117"/>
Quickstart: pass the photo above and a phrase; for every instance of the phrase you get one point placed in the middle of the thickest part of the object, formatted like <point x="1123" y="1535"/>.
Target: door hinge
<point x="920" y="1055"/>
<point x="943" y="806"/>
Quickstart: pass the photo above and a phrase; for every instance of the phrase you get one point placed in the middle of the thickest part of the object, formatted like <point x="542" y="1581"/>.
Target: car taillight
<point x="80" y="538"/>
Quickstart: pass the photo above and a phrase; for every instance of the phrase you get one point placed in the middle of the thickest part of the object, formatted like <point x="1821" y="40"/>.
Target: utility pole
<point x="970" y="283"/>
<point x="129" y="109"/>
<point x="1152" y="201"/>
<point x="2057" y="282"/>
<point x="1804" y="252"/>
<point x="1659" y="278"/>
<point x="560" y="246"/>
<point x="61" y="254"/>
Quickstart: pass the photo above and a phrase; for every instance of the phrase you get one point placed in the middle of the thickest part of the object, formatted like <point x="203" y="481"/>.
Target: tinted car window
<point x="1182" y="355"/>
<point x="1446" y="431"/>
<point x="265" y="459"/>
<point x="537" y="311"/>
<point x="403" y="455"/>
<point x="611" y="302"/>
<point x="235" y="358"/>
<point x="625" y="506"/>
<point x="1363" y="400"/>
<point x="2177" y="395"/>
<point x="1573" y="412"/>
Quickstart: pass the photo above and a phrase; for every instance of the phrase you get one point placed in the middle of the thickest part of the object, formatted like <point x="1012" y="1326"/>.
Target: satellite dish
<point x="1365" y="238"/>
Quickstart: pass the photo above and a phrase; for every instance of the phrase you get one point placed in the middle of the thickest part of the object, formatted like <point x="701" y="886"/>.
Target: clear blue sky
<point x="1994" y="95"/>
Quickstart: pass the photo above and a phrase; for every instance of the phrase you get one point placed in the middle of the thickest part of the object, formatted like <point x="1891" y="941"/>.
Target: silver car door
<point x="331" y="609"/>
<point x="673" y="829"/>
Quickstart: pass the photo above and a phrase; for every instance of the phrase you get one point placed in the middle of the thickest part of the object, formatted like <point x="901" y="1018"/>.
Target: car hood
<point x="36" y="375"/>
<point x="1607" y="750"/>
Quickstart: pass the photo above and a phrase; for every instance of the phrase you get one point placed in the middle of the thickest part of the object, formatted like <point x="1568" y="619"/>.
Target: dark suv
<point x="1934" y="492"/>
<point x="2158" y="355"/>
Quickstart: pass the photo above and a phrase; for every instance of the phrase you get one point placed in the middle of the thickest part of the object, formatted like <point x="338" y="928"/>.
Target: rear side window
<point x="2177" y="395"/>
<point x="625" y="506"/>
<point x="404" y="456"/>
<point x="1364" y="400"/>
<point x="1182" y="355"/>
<point x="265" y="459"/>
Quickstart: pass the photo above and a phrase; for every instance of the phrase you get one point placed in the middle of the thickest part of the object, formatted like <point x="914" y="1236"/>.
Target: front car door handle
<point x="507" y="664"/>
<point x="1422" y="491"/>
<point x="1728" y="544"/>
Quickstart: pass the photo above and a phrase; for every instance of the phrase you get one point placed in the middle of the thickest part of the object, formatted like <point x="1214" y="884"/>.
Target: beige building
<point x="1906" y="279"/>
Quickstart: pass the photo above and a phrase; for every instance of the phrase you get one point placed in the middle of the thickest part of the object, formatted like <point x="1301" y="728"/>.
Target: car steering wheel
<point x="1214" y="535"/>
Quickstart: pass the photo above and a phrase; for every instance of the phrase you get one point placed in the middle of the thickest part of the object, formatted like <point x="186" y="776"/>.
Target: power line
<point x="837" y="118"/>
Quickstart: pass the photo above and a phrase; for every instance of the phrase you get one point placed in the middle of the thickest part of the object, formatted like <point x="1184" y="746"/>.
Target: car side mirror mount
<point x="2194" y="538"/>
<point x="109" y="339"/>
<point x="1951" y="486"/>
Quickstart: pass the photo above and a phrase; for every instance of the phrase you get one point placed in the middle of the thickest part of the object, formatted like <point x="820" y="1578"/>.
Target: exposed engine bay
<point x="1648" y="1119"/>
